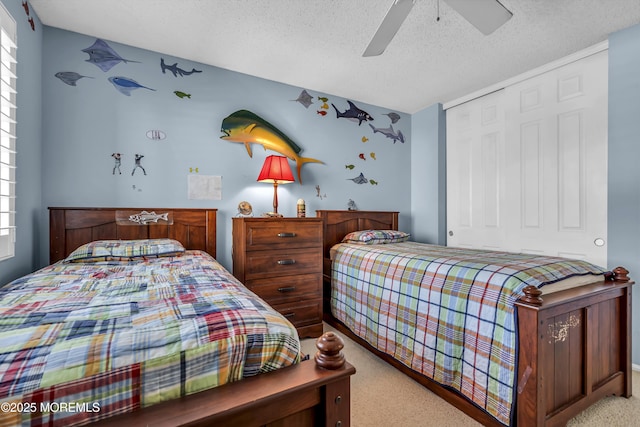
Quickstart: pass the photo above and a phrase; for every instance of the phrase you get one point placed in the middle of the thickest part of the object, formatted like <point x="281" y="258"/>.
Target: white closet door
<point x="551" y="166"/>
<point x="475" y="173"/>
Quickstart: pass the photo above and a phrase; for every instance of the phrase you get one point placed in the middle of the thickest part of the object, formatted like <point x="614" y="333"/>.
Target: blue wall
<point x="66" y="136"/>
<point x="428" y="176"/>
<point x="29" y="231"/>
<point x="86" y="123"/>
<point x="624" y="154"/>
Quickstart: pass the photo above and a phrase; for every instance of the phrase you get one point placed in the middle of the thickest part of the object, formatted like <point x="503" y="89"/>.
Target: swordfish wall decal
<point x="248" y="128"/>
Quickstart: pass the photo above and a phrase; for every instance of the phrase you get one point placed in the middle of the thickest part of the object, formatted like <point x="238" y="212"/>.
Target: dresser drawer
<point x="287" y="289"/>
<point x="302" y="313"/>
<point x="282" y="234"/>
<point x="280" y="259"/>
<point x="263" y="264"/>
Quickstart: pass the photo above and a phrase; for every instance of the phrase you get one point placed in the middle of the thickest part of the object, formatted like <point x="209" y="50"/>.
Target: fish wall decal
<point x="394" y="117"/>
<point x="248" y="128"/>
<point x="175" y="69"/>
<point x="353" y="113"/>
<point x="360" y="179"/>
<point x="103" y="56"/>
<point x="181" y="94"/>
<point x="125" y="85"/>
<point x="70" y="77"/>
<point x="389" y="133"/>
<point x="304" y="98"/>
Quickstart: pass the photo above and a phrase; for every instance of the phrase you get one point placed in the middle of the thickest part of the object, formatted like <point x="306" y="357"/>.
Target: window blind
<point x="8" y="48"/>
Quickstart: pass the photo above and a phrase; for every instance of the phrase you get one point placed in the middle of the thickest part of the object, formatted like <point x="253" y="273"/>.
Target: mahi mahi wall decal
<point x="248" y="128"/>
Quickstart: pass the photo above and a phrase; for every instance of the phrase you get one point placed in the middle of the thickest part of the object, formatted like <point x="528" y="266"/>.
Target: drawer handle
<point x="287" y="289"/>
<point x="286" y="261"/>
<point x="286" y="234"/>
<point x="290" y="315"/>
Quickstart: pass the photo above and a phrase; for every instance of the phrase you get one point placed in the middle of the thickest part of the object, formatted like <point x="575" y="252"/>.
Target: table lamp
<point x="276" y="170"/>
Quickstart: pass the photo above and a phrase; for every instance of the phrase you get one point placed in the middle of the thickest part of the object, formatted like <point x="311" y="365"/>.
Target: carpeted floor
<point x="382" y="396"/>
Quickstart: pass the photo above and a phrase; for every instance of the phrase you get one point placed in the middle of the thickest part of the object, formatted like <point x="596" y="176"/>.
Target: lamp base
<point x="273" y="215"/>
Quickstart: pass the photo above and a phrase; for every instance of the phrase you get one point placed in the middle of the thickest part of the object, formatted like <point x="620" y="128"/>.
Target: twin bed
<point x="111" y="329"/>
<point x="136" y="323"/>
<point x="510" y="339"/>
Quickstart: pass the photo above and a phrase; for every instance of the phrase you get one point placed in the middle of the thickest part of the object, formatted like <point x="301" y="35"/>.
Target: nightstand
<point x="280" y="260"/>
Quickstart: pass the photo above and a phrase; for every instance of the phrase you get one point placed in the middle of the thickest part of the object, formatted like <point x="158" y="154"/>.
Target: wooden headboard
<point x="338" y="224"/>
<point x="71" y="227"/>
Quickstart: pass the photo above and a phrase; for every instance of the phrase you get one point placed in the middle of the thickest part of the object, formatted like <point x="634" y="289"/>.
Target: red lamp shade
<point x="276" y="170"/>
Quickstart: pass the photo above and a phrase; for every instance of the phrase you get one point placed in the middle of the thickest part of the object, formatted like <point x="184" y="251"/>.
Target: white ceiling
<point x="318" y="44"/>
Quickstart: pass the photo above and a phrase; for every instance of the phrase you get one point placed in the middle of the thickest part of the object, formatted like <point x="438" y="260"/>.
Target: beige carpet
<point x="382" y="396"/>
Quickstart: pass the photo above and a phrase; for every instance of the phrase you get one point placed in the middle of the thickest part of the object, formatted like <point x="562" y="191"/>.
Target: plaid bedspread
<point x="446" y="313"/>
<point x="81" y="342"/>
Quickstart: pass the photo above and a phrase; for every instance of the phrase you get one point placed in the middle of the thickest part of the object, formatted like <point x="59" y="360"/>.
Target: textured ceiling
<point x="318" y="44"/>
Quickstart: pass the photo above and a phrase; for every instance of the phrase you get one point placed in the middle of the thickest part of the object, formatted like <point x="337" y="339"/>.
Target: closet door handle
<point x="286" y="261"/>
<point x="286" y="234"/>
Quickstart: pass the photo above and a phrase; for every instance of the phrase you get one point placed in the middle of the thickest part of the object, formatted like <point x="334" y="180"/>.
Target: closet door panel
<point x="527" y="170"/>
<point x="475" y="163"/>
<point x="562" y="147"/>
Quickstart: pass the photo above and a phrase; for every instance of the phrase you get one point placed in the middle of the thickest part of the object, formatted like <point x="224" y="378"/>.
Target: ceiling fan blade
<point x="389" y="27"/>
<point x="486" y="15"/>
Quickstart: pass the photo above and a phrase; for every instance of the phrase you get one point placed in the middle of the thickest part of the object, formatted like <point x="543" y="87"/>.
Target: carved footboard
<point x="574" y="349"/>
<point x="313" y="393"/>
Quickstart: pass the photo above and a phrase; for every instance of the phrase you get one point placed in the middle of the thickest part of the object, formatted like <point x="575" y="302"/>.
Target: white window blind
<point x="8" y="46"/>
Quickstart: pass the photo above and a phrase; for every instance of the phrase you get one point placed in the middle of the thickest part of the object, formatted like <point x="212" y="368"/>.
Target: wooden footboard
<point x="574" y="346"/>
<point x="580" y="351"/>
<point x="313" y="393"/>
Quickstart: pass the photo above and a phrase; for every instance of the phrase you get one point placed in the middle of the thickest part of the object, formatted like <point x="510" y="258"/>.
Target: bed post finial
<point x="329" y="354"/>
<point x="620" y="274"/>
<point x="532" y="295"/>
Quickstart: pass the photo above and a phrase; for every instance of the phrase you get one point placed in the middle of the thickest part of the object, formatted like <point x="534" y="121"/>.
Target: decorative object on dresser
<point x="280" y="259"/>
<point x="301" y="208"/>
<point x="244" y="209"/>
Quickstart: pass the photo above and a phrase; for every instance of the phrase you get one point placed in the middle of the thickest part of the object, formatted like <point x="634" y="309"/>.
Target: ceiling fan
<point x="486" y="15"/>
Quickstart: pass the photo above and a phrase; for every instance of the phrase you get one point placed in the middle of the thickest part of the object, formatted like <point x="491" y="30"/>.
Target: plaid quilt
<point x="83" y="341"/>
<point x="446" y="313"/>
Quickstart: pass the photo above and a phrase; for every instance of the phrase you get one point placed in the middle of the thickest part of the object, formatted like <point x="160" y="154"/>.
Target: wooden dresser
<point x="280" y="259"/>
